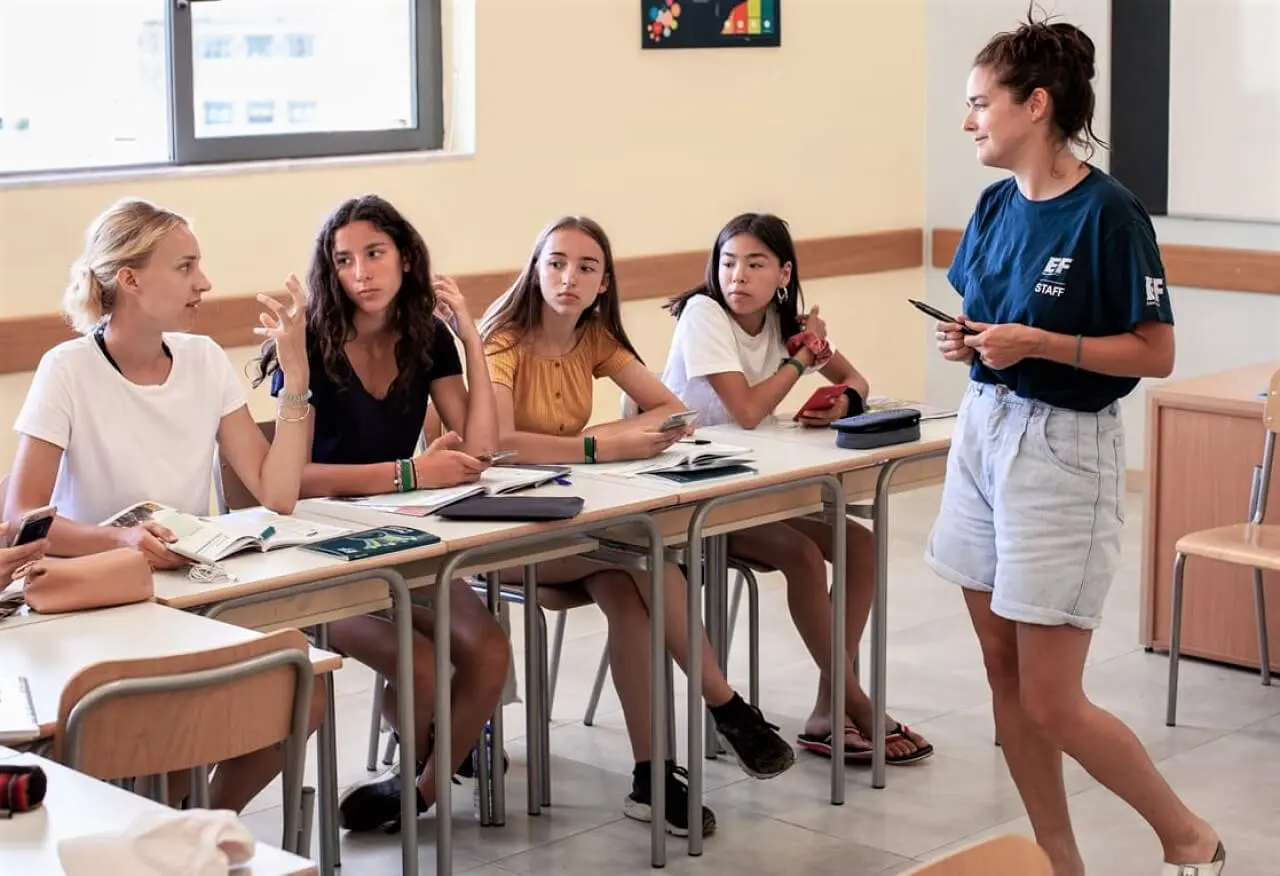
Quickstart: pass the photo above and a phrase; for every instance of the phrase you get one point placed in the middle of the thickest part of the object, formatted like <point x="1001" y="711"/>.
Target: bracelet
<point x="407" y="479"/>
<point x="589" y="448"/>
<point x="791" y="360"/>
<point x="1079" y="344"/>
<point x="306" y="412"/>
<point x="295" y="398"/>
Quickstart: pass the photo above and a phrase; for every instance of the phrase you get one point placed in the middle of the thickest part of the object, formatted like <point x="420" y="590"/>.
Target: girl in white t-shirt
<point x="134" y="410"/>
<point x="742" y="341"/>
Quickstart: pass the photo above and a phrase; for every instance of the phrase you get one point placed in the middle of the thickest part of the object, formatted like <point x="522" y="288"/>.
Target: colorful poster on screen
<point x="710" y="24"/>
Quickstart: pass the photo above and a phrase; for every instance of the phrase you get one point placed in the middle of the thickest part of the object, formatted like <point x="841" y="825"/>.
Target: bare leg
<point x="1035" y="762"/>
<point x="610" y="588"/>
<point x="800" y="550"/>
<point x="1050" y="668"/>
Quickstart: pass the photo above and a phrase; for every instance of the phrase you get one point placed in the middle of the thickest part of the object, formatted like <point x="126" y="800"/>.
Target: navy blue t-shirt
<point x="1083" y="263"/>
<point x="354" y="428"/>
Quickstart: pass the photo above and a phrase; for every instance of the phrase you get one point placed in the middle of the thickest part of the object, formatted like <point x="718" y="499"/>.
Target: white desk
<point x="77" y="805"/>
<point x="51" y="654"/>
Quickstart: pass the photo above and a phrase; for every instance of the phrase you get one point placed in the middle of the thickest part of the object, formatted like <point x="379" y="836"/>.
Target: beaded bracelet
<point x="791" y="360"/>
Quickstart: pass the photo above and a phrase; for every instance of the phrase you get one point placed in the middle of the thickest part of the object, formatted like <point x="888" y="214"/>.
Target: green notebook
<point x="373" y="542"/>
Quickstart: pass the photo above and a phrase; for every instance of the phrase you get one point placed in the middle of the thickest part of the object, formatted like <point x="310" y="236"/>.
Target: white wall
<point x="1215" y="330"/>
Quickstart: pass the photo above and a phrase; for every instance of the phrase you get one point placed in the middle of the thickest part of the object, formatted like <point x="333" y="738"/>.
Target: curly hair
<point x="331" y="312"/>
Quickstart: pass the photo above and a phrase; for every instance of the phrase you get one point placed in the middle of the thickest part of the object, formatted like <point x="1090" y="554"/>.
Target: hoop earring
<point x="782" y="294"/>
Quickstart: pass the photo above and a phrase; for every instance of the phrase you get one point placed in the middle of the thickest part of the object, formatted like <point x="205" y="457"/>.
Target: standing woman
<point x="1064" y="311"/>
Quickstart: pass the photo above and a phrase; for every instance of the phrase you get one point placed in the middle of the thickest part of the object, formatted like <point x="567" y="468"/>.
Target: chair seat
<point x="1244" y="544"/>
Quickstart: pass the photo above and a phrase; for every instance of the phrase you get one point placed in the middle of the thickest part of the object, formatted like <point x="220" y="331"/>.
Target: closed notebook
<point x="17" y="712"/>
<point x="373" y="542"/>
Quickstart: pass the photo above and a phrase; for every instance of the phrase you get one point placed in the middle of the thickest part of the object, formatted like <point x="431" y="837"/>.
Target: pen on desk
<point x="563" y="481"/>
<point x="695" y="441"/>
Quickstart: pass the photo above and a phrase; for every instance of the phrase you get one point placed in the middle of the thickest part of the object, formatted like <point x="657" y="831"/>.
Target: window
<point x="215" y="47"/>
<point x="218" y="112"/>
<point x="302" y="45"/>
<point x="302" y="112"/>
<point x="200" y="83"/>
<point x="258" y="45"/>
<point x="261" y="112"/>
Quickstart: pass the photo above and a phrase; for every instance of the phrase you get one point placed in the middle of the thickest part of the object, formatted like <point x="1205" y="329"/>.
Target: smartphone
<point x="939" y="315"/>
<point x="34" y="525"/>
<point x="678" y="421"/>
<point x="497" y="456"/>
<point x="822" y="399"/>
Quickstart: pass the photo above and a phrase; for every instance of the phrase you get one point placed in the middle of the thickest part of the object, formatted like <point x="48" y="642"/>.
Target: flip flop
<point x="822" y="744"/>
<point x="900" y="732"/>
<point x="1213" y="868"/>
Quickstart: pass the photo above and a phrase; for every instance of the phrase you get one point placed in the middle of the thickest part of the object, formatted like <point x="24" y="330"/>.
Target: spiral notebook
<point x="17" y="711"/>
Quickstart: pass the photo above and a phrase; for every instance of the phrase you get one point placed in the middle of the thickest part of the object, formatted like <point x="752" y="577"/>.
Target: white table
<point x="77" y="805"/>
<point x="51" y="654"/>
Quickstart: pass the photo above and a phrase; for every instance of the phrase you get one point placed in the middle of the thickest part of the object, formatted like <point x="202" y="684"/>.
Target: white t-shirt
<point x="708" y="340"/>
<point x="125" y="443"/>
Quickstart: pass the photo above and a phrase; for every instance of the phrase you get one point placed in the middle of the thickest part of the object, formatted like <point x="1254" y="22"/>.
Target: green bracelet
<point x="589" y="448"/>
<point x="791" y="360"/>
<point x="407" y="481"/>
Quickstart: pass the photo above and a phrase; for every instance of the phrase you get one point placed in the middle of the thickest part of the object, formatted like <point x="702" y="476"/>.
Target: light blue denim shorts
<point x="1032" y="507"/>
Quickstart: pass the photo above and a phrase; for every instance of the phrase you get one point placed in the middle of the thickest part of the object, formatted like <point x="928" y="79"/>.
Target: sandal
<point x="900" y="732"/>
<point x="856" y="751"/>
<point x="1213" y="868"/>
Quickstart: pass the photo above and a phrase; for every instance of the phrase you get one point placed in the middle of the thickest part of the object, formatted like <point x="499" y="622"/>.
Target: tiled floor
<point x="1224" y="758"/>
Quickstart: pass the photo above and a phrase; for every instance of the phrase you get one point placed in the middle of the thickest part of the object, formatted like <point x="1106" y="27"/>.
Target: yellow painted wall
<point x="571" y="116"/>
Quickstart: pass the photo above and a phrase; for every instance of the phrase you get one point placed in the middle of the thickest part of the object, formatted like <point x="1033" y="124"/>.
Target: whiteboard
<point x="1224" y="109"/>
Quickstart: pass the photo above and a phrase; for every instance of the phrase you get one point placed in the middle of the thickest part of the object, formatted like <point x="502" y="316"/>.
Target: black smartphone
<point x="937" y="314"/>
<point x="34" y="525"/>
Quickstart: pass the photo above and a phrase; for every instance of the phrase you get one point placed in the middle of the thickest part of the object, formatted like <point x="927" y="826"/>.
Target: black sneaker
<point x="374" y="805"/>
<point x="638" y="804"/>
<point x="761" y="751"/>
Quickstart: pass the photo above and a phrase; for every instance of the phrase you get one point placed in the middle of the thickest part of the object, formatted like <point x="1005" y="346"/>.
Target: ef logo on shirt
<point x="1155" y="290"/>
<point x="1051" y="279"/>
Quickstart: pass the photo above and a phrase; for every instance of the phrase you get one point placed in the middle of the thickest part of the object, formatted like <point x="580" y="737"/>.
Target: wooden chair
<point x="1008" y="855"/>
<point x="1255" y="544"/>
<point x="135" y="718"/>
<point x="231" y="493"/>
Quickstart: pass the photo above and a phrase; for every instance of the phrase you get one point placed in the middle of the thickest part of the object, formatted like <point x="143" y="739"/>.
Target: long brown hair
<point x="776" y="236"/>
<point x="331" y="312"/>
<point x="519" y="311"/>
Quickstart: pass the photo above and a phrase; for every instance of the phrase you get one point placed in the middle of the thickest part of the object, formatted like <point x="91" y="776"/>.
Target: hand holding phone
<point x="679" y="420"/>
<point x="34" y="525"/>
<point x="497" y="456"/>
<point x="823" y="399"/>
<point x="940" y="316"/>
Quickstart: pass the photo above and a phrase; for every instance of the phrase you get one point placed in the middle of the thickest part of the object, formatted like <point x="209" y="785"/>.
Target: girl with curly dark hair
<point x="380" y="349"/>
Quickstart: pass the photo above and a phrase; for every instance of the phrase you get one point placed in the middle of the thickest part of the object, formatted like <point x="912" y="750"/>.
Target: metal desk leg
<point x="532" y="697"/>
<point x="403" y="608"/>
<point x="880" y="611"/>
<point x="327" y="770"/>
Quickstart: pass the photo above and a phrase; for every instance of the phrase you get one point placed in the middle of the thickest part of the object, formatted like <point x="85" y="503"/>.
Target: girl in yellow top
<point x="555" y="332"/>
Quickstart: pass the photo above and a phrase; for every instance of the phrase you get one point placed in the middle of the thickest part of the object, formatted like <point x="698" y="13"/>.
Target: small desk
<point x="1204" y="436"/>
<point x="77" y="805"/>
<point x="51" y="654"/>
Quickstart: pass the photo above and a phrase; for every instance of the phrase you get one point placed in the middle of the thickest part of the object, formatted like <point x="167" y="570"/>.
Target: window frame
<point x="426" y="135"/>
<point x="186" y="150"/>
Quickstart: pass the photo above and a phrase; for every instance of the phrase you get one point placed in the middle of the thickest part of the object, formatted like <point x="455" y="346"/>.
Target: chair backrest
<point x="122" y="719"/>
<point x="231" y="492"/>
<point x="1007" y="855"/>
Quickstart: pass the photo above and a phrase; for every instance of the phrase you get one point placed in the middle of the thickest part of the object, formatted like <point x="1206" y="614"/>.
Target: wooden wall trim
<point x="230" y="320"/>
<point x="1217" y="268"/>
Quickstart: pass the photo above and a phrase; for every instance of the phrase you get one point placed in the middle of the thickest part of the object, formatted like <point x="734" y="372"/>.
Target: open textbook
<point x="690" y="454"/>
<point x="500" y="480"/>
<point x="209" y="540"/>
<point x="18" y="722"/>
